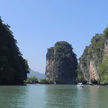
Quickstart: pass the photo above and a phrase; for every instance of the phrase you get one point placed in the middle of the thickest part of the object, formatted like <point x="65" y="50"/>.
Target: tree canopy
<point x="13" y="67"/>
<point x="103" y="70"/>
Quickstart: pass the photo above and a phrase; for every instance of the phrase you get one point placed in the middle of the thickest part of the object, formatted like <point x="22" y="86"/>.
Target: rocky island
<point x="62" y="66"/>
<point x="93" y="66"/>
<point x="61" y="63"/>
<point x="13" y="67"/>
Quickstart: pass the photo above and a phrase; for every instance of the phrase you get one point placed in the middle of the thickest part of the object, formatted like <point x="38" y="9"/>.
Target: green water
<point x="53" y="96"/>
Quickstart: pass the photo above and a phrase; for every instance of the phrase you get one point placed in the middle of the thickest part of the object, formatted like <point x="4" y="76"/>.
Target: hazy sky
<point x="38" y="24"/>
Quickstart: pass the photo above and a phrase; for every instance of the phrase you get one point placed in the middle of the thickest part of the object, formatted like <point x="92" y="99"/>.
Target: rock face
<point x="93" y="56"/>
<point x="61" y="63"/>
<point x="50" y="63"/>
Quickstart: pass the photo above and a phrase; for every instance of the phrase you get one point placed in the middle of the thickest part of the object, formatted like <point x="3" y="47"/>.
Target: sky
<point x="39" y="24"/>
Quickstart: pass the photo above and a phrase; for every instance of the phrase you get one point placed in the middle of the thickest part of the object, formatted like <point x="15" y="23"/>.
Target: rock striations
<point x="61" y="63"/>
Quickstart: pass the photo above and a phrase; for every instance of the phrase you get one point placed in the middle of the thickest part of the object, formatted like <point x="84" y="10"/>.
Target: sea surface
<point x="53" y="96"/>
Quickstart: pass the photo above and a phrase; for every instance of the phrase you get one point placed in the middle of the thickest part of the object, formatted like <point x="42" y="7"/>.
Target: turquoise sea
<point x="53" y="96"/>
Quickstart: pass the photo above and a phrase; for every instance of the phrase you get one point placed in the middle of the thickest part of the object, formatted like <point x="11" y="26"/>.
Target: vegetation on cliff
<point x="80" y="76"/>
<point x="103" y="70"/>
<point x="61" y="63"/>
<point x="93" y="61"/>
<point x="13" y="68"/>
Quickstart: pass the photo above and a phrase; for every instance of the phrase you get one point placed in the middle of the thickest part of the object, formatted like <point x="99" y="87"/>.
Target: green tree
<point x="44" y="81"/>
<point x="103" y="70"/>
<point x="80" y="77"/>
<point x="13" y="67"/>
<point x="106" y="33"/>
<point x="31" y="80"/>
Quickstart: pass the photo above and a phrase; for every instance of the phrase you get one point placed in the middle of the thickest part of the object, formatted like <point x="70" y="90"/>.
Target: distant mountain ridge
<point x="36" y="74"/>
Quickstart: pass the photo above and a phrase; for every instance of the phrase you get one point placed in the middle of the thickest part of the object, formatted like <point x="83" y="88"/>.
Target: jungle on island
<point x="62" y="66"/>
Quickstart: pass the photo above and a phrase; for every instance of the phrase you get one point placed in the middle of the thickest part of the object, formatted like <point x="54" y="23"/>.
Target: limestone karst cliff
<point x="13" y="67"/>
<point x="92" y="59"/>
<point x="61" y="63"/>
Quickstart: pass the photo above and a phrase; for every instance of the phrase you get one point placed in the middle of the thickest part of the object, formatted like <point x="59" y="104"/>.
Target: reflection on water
<point x="98" y="97"/>
<point x="68" y="96"/>
<point x="53" y="96"/>
<point x="12" y="96"/>
<point x="60" y="96"/>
